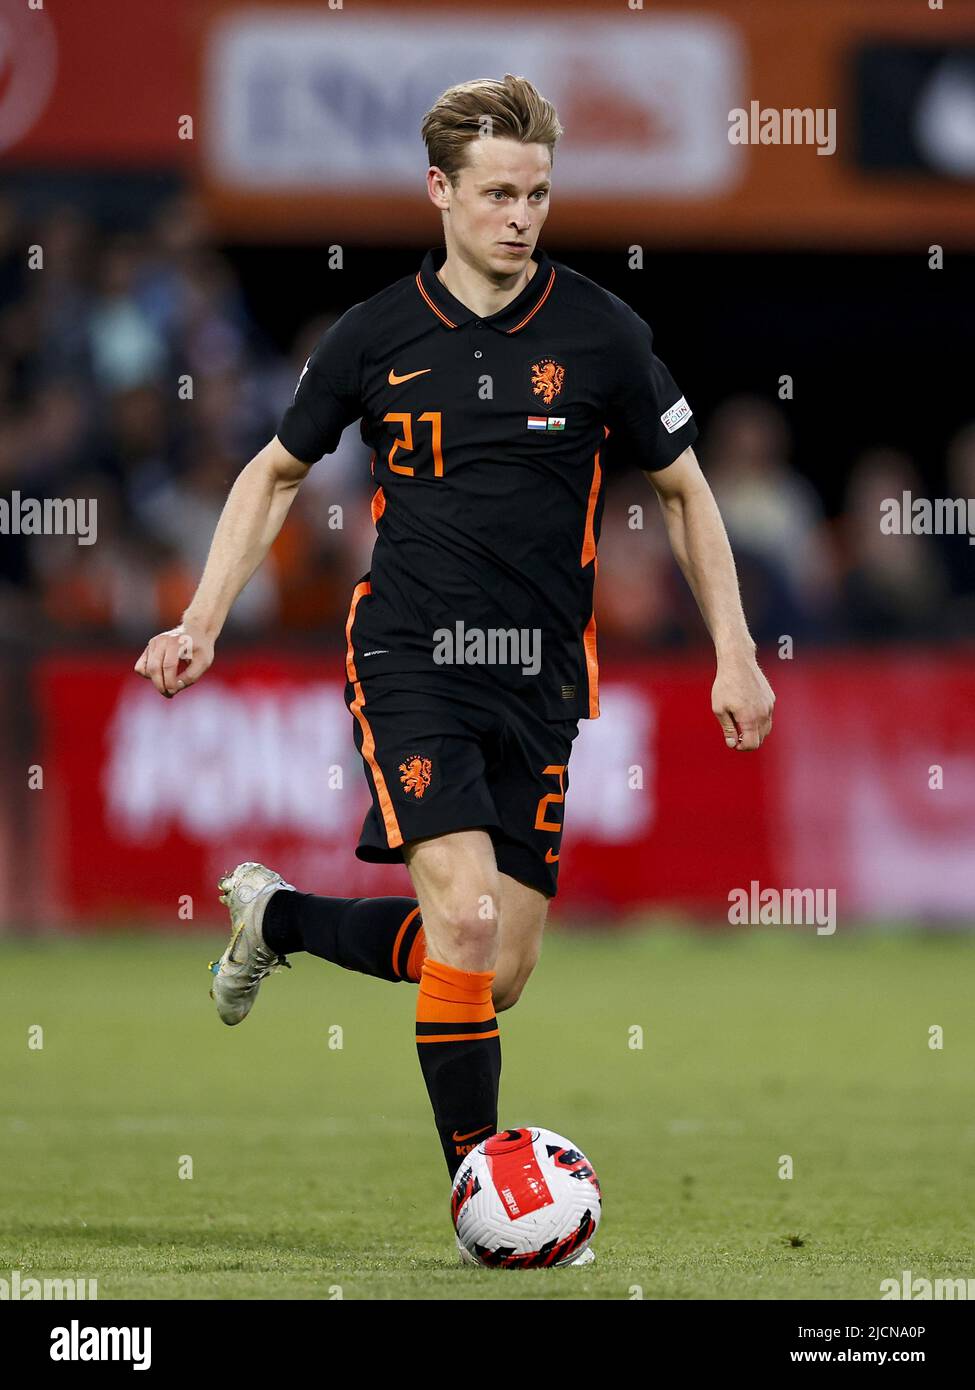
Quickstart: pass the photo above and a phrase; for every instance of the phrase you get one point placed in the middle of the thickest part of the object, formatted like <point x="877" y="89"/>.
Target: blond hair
<point x="513" y="109"/>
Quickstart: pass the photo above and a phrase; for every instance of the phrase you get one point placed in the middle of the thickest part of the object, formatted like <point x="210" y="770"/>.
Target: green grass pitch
<point x="315" y="1168"/>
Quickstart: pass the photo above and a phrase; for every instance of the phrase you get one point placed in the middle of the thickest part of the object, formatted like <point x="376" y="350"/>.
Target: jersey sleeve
<point x="649" y="420"/>
<point x="328" y="396"/>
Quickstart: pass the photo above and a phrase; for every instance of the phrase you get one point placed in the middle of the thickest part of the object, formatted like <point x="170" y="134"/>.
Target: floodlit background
<point x="204" y="217"/>
<point x="209" y="186"/>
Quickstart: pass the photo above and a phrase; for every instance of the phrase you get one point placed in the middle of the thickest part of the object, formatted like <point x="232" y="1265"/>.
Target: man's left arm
<point x="741" y="697"/>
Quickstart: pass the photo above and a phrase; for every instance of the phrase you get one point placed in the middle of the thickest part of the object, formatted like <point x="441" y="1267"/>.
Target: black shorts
<point x="443" y="753"/>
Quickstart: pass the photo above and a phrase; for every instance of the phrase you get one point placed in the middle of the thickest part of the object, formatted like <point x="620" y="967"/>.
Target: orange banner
<point x="313" y="127"/>
<point x="756" y="123"/>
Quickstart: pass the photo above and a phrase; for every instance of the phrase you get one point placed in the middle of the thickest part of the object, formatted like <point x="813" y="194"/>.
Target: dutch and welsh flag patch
<point x="546" y="422"/>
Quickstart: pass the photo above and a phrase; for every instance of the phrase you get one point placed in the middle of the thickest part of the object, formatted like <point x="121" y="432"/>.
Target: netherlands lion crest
<point x="547" y="378"/>
<point x="415" y="773"/>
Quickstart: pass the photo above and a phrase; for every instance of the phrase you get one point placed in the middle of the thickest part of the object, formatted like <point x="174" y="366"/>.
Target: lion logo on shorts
<point x="415" y="773"/>
<point x="547" y="379"/>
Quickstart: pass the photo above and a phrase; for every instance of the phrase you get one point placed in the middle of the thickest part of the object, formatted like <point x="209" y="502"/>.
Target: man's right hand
<point x="176" y="659"/>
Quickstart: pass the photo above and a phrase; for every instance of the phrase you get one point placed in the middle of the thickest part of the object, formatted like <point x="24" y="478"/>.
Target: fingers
<point x="154" y="666"/>
<point x="728" y="727"/>
<point x="199" y="663"/>
<point x="159" y="663"/>
<point x="161" y="660"/>
<point x="751" y="734"/>
<point x="170" y="667"/>
<point x="742" y="702"/>
<point x="746" y="731"/>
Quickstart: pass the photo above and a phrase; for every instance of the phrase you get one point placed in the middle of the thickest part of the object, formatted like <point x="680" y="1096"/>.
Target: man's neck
<point x="481" y="295"/>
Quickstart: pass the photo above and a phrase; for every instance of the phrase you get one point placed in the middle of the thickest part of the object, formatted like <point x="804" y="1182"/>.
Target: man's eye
<point x="497" y="193"/>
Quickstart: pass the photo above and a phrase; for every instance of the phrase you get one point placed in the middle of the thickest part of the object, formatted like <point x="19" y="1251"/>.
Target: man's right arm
<point x="250" y="521"/>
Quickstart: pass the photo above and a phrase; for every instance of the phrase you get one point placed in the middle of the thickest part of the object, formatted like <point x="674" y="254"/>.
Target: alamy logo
<point x="909" y="1288"/>
<point x="923" y="516"/>
<point x="493" y="646"/>
<point x="77" y="1343"/>
<point x="792" y="125"/>
<point x="756" y="906"/>
<point x="50" y="516"/>
<point x="18" y="1289"/>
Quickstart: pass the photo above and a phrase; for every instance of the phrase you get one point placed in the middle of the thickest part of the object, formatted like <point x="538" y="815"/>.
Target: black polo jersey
<point x="490" y="440"/>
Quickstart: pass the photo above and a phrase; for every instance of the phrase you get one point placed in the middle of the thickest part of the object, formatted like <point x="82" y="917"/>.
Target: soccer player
<point x="493" y="386"/>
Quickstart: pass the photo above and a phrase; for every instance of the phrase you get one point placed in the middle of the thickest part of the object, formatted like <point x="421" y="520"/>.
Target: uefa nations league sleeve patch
<point x="676" y="416"/>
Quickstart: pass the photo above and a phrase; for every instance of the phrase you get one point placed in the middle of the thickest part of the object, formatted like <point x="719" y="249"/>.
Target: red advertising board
<point x="103" y="83"/>
<point x="866" y="787"/>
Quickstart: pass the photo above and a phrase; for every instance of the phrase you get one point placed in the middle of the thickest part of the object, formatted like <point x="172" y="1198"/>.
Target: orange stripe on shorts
<point x="394" y="835"/>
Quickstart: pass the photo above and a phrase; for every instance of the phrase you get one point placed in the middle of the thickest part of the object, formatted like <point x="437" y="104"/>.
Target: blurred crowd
<point x="131" y="372"/>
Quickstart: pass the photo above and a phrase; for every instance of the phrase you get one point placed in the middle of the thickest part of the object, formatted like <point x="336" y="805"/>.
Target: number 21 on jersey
<point x="431" y="417"/>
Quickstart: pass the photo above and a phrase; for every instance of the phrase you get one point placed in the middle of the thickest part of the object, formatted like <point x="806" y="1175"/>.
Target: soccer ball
<point x="525" y="1199"/>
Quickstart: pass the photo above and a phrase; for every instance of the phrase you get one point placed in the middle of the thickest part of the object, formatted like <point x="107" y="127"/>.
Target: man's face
<point x="498" y="205"/>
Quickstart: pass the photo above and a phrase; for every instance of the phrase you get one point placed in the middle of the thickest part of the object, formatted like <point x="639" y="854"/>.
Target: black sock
<point x="371" y="935"/>
<point x="459" y="1047"/>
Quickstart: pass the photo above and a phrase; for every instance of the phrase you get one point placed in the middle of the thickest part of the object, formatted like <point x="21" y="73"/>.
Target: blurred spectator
<point x="182" y="514"/>
<point x="959" y="551"/>
<point x="15" y="571"/>
<point x="109" y="585"/>
<point x="126" y="349"/>
<point x="178" y="232"/>
<point x="131" y="372"/>
<point x="59" y="298"/>
<point x="893" y="585"/>
<point x="774" y="519"/>
<point x="640" y="598"/>
<point x="137" y="449"/>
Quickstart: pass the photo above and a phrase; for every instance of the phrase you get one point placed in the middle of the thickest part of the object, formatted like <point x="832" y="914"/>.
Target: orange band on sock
<point x="414" y="961"/>
<point x="451" y="996"/>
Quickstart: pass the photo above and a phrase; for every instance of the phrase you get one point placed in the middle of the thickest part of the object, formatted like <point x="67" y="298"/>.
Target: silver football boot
<point x="247" y="961"/>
